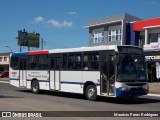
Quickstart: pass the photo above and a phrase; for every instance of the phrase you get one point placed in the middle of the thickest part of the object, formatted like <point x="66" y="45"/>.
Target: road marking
<point x="4" y="82"/>
<point x="22" y="106"/>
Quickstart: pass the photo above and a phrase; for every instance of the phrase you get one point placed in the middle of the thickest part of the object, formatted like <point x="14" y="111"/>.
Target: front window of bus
<point x="131" y="68"/>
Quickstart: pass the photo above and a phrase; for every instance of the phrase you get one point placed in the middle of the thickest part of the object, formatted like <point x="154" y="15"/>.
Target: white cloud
<point x="73" y="13"/>
<point x="57" y="24"/>
<point x="153" y="2"/>
<point x="51" y="22"/>
<point x="38" y="19"/>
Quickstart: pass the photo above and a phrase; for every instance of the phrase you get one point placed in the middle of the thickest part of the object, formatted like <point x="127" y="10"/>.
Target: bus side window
<point x="85" y="60"/>
<point x="52" y="64"/>
<point x="74" y="61"/>
<point x="91" y="61"/>
<point x="33" y="62"/>
<point x="43" y="62"/>
<point x="65" y="64"/>
<point x="14" y="63"/>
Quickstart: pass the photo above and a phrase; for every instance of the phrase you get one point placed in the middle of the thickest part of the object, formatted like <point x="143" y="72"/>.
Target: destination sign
<point x="127" y="49"/>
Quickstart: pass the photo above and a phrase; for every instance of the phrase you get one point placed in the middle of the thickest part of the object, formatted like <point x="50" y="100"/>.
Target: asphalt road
<point x="18" y="99"/>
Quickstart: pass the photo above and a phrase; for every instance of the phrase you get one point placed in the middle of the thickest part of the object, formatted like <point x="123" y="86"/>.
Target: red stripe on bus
<point x="38" y="52"/>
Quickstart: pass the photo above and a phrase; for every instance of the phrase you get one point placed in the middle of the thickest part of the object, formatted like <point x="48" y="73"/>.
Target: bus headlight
<point x="146" y="87"/>
<point x="123" y="88"/>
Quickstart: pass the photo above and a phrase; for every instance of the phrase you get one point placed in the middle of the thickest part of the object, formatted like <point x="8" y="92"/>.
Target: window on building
<point x="154" y="37"/>
<point x="114" y="35"/>
<point x="1" y="59"/>
<point x="5" y="59"/>
<point x="141" y="40"/>
<point x="98" y="37"/>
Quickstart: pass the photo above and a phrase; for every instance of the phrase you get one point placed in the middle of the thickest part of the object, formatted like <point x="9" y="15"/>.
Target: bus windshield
<point x="131" y="68"/>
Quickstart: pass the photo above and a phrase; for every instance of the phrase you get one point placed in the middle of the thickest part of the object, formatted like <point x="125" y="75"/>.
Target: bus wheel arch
<point x="35" y="86"/>
<point x="90" y="91"/>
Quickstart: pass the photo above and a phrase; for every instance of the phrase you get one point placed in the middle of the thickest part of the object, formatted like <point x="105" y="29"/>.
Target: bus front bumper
<point x="131" y="92"/>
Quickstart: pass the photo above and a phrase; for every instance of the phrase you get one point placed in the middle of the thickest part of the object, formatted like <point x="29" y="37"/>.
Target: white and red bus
<point x="111" y="70"/>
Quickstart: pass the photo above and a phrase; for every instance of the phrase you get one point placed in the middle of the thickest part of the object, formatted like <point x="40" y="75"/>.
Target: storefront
<point x="149" y="39"/>
<point x="153" y="65"/>
<point x="4" y="61"/>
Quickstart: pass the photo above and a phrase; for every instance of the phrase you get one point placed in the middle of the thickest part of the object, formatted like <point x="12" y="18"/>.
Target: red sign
<point x="140" y="25"/>
<point x="13" y="72"/>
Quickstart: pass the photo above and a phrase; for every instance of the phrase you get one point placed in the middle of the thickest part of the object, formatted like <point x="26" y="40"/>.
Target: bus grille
<point x="136" y="89"/>
<point x="136" y="84"/>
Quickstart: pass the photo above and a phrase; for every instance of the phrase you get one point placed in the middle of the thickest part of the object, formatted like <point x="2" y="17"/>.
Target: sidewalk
<point x="154" y="88"/>
<point x="4" y="79"/>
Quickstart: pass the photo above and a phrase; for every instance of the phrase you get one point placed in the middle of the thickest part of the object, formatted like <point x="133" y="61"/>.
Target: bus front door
<point x="55" y="74"/>
<point x="107" y="75"/>
<point x="22" y="73"/>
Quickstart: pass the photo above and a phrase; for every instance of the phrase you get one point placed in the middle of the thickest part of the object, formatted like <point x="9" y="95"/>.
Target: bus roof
<point x="81" y="49"/>
<point x="64" y="50"/>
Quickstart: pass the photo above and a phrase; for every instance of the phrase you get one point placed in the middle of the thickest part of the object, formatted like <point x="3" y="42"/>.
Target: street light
<point x="9" y="48"/>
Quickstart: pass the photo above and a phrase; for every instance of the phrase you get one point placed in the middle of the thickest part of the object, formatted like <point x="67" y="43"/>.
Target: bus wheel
<point x="35" y="87"/>
<point x="91" y="92"/>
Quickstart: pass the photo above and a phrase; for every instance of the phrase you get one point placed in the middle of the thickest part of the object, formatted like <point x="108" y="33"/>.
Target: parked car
<point x="4" y="74"/>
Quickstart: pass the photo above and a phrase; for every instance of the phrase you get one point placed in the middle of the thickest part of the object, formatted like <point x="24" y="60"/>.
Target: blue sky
<point x="61" y="22"/>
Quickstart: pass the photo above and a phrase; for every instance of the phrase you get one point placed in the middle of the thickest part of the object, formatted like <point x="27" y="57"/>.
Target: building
<point x="149" y="39"/>
<point x="4" y="61"/>
<point x="125" y="29"/>
<point x="113" y="30"/>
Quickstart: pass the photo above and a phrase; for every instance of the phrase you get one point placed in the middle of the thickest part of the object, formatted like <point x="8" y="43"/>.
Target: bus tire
<point x="35" y="87"/>
<point x="91" y="92"/>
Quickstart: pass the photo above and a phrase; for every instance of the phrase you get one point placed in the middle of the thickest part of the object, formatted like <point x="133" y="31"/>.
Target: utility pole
<point x="42" y="44"/>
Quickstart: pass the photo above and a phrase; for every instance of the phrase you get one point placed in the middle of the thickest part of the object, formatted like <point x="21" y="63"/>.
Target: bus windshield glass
<point x="131" y="68"/>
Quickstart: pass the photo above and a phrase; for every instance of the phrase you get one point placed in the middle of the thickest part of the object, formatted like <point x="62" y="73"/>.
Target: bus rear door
<point x="55" y="73"/>
<point x="22" y="73"/>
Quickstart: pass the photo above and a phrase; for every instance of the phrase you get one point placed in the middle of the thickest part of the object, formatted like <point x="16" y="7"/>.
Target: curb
<point x="155" y="95"/>
<point x="4" y="81"/>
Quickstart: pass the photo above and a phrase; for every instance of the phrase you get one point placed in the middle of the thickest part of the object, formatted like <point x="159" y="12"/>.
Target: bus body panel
<point x="92" y="76"/>
<point x="55" y="80"/>
<point x="28" y="85"/>
<point x="42" y="77"/>
<point x="22" y="78"/>
<point x="14" y="77"/>
<point x="71" y="76"/>
<point x="71" y="87"/>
